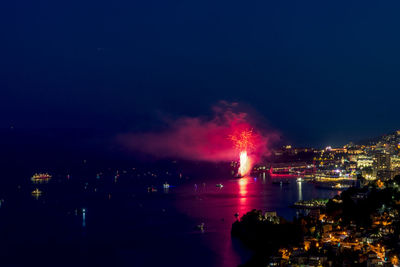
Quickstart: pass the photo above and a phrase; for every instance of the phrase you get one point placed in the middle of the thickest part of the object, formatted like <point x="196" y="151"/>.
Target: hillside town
<point x="358" y="227"/>
<point x="373" y="159"/>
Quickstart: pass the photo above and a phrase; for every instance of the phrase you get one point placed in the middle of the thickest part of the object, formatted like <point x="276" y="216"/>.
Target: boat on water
<point x="219" y="185"/>
<point x="333" y="186"/>
<point x="166" y="185"/>
<point x="281" y="172"/>
<point x="36" y="192"/>
<point x="300" y="180"/>
<point x="341" y="186"/>
<point x="201" y="227"/>
<point x="151" y="189"/>
<point x="41" y="177"/>
<point x="311" y="204"/>
<point x="238" y="176"/>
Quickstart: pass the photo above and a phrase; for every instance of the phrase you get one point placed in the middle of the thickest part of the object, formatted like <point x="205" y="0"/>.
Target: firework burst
<point x="244" y="142"/>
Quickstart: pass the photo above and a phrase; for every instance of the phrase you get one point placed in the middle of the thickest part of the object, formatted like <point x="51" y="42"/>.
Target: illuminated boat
<point x="341" y="186"/>
<point x="40" y="177"/>
<point x="333" y="186"/>
<point x="200" y="227"/>
<point x="311" y="204"/>
<point x="151" y="189"/>
<point x="285" y="172"/>
<point x="166" y="185"/>
<point x="36" y="193"/>
<point x="281" y="172"/>
<point x="219" y="185"/>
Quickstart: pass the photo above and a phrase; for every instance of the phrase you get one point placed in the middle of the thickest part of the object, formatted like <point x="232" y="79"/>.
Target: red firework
<point x="244" y="142"/>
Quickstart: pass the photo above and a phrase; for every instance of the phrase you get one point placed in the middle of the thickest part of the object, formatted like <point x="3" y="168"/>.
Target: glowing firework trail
<point x="244" y="142"/>
<point x="244" y="165"/>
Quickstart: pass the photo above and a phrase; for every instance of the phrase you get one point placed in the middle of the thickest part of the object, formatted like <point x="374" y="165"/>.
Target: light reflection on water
<point x="300" y="191"/>
<point x="134" y="225"/>
<point x="216" y="207"/>
<point x="242" y="194"/>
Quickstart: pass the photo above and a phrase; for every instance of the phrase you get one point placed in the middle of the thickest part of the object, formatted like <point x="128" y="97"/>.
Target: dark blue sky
<point x="321" y="72"/>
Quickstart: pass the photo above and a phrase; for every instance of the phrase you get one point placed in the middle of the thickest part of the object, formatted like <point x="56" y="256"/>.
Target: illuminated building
<point x="395" y="162"/>
<point x="336" y="150"/>
<point x="383" y="166"/>
<point x="354" y="151"/>
<point x="383" y="162"/>
<point x="271" y="216"/>
<point x="364" y="161"/>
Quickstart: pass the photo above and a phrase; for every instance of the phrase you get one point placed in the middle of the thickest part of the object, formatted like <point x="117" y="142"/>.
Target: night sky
<point x="321" y="72"/>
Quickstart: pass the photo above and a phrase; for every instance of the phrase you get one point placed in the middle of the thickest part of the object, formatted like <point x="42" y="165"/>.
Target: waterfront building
<point x="271" y="216"/>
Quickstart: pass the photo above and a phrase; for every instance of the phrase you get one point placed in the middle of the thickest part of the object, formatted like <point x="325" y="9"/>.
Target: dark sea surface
<point x="116" y="222"/>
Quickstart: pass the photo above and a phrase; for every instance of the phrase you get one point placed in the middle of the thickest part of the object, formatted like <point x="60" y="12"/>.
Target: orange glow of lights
<point x="395" y="260"/>
<point x="307" y="245"/>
